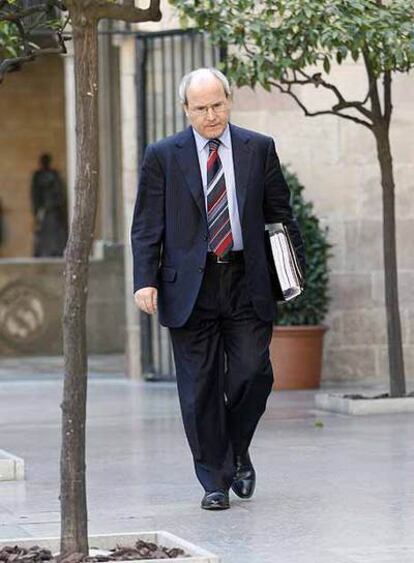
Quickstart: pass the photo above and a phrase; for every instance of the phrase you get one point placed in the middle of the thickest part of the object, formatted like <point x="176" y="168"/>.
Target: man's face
<point x="208" y="108"/>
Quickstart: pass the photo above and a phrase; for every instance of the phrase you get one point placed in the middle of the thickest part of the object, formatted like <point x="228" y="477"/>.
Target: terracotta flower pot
<point x="296" y="356"/>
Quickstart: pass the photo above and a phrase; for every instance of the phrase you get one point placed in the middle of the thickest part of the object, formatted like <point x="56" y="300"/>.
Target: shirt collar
<point x="201" y="141"/>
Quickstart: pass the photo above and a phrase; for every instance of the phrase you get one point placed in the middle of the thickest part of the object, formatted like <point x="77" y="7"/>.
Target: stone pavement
<point x="340" y="493"/>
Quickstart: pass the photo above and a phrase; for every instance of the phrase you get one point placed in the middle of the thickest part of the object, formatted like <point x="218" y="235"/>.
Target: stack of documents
<point x="284" y="260"/>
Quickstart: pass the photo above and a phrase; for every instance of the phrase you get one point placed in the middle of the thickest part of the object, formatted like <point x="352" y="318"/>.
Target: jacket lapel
<point x="187" y="158"/>
<point x="242" y="156"/>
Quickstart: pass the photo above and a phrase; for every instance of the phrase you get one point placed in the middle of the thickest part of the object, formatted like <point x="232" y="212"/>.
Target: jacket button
<point x="205" y="237"/>
<point x="201" y="269"/>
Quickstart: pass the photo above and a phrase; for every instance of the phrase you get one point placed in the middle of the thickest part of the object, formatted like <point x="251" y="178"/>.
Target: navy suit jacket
<point x="169" y="232"/>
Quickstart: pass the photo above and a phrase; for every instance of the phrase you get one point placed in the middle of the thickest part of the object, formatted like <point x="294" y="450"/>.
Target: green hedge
<point x="311" y="307"/>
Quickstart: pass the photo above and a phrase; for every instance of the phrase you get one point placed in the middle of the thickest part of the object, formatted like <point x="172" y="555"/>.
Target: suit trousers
<point x="224" y="374"/>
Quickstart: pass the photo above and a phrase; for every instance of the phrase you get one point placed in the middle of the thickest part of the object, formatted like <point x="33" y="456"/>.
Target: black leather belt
<point x="232" y="256"/>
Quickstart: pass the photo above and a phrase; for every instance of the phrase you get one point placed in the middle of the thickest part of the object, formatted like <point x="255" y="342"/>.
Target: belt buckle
<point x="223" y="260"/>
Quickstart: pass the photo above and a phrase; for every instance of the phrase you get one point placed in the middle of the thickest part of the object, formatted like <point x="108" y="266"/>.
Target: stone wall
<point x="31" y="305"/>
<point x="336" y="161"/>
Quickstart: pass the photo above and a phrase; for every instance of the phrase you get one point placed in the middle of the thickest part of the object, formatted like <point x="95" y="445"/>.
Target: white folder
<point x="285" y="262"/>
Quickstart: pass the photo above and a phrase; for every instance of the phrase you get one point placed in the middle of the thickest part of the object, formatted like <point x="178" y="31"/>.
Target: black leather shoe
<point x="244" y="480"/>
<point x="216" y="500"/>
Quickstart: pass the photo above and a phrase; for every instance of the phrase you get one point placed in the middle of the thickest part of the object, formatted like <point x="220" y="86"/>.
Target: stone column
<point x="70" y="123"/>
<point x="129" y="188"/>
<point x="109" y="139"/>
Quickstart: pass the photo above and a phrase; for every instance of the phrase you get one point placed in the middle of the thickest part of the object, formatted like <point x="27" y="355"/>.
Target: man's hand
<point x="146" y="299"/>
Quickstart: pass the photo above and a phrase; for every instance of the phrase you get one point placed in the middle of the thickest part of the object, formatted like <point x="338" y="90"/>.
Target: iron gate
<point x="163" y="58"/>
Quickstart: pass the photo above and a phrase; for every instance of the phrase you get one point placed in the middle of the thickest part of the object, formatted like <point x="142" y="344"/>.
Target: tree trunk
<point x="395" y="351"/>
<point x="74" y="525"/>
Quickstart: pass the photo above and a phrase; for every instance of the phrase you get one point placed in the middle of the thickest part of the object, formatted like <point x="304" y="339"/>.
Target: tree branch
<point x="387" y="97"/>
<point x="373" y="88"/>
<point x="317" y="80"/>
<point x="6" y="64"/>
<point x="14" y="14"/>
<point x="16" y="17"/>
<point x="29" y="50"/>
<point x="128" y="12"/>
<point x="308" y="113"/>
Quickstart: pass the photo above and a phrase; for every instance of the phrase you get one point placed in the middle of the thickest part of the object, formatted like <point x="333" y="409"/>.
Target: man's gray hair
<point x="188" y="78"/>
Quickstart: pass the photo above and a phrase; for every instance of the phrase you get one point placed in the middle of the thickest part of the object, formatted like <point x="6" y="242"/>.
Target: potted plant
<point x="296" y="349"/>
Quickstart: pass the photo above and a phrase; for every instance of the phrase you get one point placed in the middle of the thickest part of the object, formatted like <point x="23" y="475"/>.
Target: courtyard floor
<point x="331" y="488"/>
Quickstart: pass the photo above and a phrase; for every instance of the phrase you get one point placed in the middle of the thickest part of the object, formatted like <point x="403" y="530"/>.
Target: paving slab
<point x="331" y="488"/>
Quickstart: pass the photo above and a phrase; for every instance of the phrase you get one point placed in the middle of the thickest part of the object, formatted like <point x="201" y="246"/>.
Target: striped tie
<point x="218" y="217"/>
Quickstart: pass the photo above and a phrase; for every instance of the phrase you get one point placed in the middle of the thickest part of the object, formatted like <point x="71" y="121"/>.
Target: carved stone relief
<point x="23" y="314"/>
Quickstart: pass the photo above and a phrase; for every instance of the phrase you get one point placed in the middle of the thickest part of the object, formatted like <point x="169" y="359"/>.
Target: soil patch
<point x="140" y="550"/>
<point x="381" y="396"/>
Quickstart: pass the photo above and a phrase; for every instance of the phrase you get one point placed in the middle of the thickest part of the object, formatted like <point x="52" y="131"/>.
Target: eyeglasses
<point x="219" y="107"/>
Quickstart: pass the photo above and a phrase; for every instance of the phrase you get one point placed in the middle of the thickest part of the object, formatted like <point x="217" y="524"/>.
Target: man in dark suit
<point x="198" y="241"/>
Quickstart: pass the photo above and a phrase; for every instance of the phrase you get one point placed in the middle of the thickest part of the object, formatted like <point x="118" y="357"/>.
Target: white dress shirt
<point x="225" y="152"/>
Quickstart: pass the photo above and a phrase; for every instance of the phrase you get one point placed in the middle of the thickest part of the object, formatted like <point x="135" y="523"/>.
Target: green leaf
<point x="296" y="31"/>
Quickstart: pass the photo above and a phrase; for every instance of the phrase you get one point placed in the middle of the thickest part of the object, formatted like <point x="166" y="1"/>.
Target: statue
<point x="49" y="210"/>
